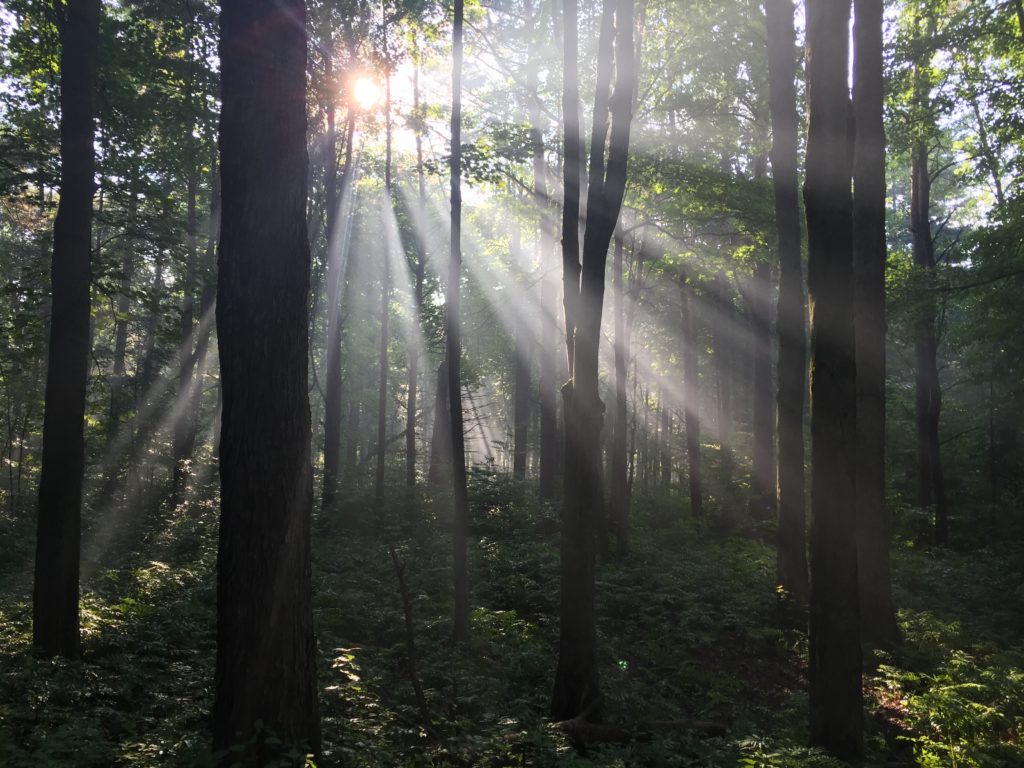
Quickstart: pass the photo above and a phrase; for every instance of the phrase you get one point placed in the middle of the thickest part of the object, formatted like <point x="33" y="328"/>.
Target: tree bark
<point x="836" y="705"/>
<point x="385" y="311"/>
<point x="763" y="497"/>
<point x="55" y="613"/>
<point x="618" y="500"/>
<point x="421" y="266"/>
<point x="460" y="500"/>
<point x="265" y="681"/>
<point x="792" y="311"/>
<point x="877" y="615"/>
<point x="576" y="688"/>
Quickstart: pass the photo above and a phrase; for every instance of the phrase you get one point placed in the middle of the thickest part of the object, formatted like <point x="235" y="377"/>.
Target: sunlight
<point x="368" y="93"/>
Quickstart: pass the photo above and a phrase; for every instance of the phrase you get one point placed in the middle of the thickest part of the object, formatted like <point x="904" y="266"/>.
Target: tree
<point x="576" y="691"/>
<point x="792" y="313"/>
<point x="55" y="614"/>
<point x="834" y="635"/>
<point x="460" y="500"/>
<point x="691" y="388"/>
<point x="877" y="617"/>
<point x="618" y="494"/>
<point x="265" y="697"/>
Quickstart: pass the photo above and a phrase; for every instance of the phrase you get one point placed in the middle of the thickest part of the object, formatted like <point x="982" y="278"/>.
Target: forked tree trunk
<point x="834" y="673"/>
<point x="878" y="618"/>
<point x="576" y="689"/>
<point x="792" y="311"/>
<point x="55" y="614"/>
<point x="265" y="680"/>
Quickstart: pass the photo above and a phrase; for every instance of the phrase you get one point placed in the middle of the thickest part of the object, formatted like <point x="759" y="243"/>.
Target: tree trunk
<point x="521" y="398"/>
<point x="385" y="311"/>
<point x="183" y="428"/>
<point x="440" y="443"/>
<point x="618" y="500"/>
<point x="691" y="390"/>
<point x="834" y="673"/>
<point x="266" y="652"/>
<point x="421" y="265"/>
<point x="576" y="689"/>
<point x="791" y="311"/>
<point x="762" y="502"/>
<point x="55" y="614"/>
<point x="877" y="616"/>
<point x="453" y="306"/>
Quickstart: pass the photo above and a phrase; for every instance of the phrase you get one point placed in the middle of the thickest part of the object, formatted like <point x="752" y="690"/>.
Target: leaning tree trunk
<point x="55" y="616"/>
<point x="791" y="311"/>
<point x="877" y="616"/>
<point x="576" y="690"/>
<point x="834" y="673"/>
<point x="453" y="306"/>
<point x="265" y="682"/>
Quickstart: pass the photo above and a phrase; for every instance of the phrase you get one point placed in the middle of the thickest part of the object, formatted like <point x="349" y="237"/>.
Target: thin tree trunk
<point x="877" y="615"/>
<point x="691" y="390"/>
<point x="265" y="681"/>
<point x="385" y="311"/>
<point x="522" y="346"/>
<point x="453" y="306"/>
<point x="792" y="311"/>
<point x="618" y="500"/>
<point x="55" y="613"/>
<point x="762" y="501"/>
<point x="421" y="264"/>
<point x="834" y="673"/>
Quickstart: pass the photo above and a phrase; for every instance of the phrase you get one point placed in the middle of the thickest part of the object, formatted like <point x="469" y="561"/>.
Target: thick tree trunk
<point x="691" y="390"/>
<point x="792" y="310"/>
<point x="877" y="616"/>
<point x="453" y="306"/>
<point x="576" y="688"/>
<point x="55" y="615"/>
<point x="266" y="650"/>
<point x="836" y="707"/>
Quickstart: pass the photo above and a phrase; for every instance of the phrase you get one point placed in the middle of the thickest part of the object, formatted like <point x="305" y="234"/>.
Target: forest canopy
<point x="511" y="382"/>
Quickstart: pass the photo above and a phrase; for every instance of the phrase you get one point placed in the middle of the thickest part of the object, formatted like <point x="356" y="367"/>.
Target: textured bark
<point x="691" y="388"/>
<point x="266" y="649"/>
<point x="877" y="615"/>
<point x="791" y="311"/>
<point x="834" y="672"/>
<point x="453" y="304"/>
<point x="576" y="688"/>
<point x="55" y="614"/>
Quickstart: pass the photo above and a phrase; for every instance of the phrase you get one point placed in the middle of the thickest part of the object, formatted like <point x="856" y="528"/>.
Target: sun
<point x="368" y="94"/>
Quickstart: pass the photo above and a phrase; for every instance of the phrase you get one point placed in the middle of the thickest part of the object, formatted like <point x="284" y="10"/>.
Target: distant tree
<point x="836" y="710"/>
<point x="792" y="310"/>
<point x="691" y="395"/>
<point x="55" y="613"/>
<point x="265" y="697"/>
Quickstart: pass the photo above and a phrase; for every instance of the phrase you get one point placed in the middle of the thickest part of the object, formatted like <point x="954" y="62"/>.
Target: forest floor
<point x="701" y="661"/>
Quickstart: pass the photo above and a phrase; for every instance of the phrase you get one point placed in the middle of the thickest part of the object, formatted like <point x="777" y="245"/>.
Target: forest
<point x="626" y="383"/>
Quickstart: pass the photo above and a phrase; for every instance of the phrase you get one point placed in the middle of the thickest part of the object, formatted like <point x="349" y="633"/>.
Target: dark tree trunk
<point x="55" y="615"/>
<point x="385" y="313"/>
<point x="691" y="390"/>
<point x="337" y="247"/>
<point x="834" y="673"/>
<point x="931" y="492"/>
<point x="521" y="398"/>
<point x="460" y="500"/>
<point x="762" y="502"/>
<point x="266" y="650"/>
<point x="666" y="441"/>
<point x="618" y="499"/>
<point x="576" y="690"/>
<point x="792" y="310"/>
<point x="421" y="266"/>
<point x="440" y="443"/>
<point x="877" y="616"/>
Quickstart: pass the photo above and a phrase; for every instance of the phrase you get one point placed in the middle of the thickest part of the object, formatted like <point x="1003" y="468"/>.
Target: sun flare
<point x="368" y="93"/>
